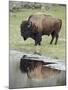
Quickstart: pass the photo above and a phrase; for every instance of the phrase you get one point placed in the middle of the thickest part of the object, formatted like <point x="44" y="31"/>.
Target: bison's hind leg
<point x="56" y="39"/>
<point x="53" y="36"/>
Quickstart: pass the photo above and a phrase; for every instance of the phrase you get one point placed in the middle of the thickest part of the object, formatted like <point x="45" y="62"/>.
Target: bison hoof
<point x="37" y="44"/>
<point x="50" y="43"/>
<point x="55" y="43"/>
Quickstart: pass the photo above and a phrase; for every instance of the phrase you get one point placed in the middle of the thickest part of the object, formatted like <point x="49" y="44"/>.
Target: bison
<point x="38" y="25"/>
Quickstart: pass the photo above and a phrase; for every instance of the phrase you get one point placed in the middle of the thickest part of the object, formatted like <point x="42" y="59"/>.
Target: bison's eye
<point x="28" y="26"/>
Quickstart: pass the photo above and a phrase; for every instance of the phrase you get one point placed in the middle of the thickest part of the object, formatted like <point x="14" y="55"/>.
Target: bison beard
<point x="38" y="25"/>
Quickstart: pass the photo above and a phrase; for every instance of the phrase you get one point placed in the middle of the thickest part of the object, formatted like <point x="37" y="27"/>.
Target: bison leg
<point x="37" y="43"/>
<point x="56" y="39"/>
<point x="52" y="38"/>
<point x="38" y="38"/>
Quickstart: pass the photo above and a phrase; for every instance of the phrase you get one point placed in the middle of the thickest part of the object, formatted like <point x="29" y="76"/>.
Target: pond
<point x="41" y="76"/>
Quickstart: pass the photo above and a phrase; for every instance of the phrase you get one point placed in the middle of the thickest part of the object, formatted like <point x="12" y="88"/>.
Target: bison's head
<point x="26" y="29"/>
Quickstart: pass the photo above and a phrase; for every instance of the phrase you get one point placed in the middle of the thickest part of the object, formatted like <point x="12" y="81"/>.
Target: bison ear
<point x="29" y="24"/>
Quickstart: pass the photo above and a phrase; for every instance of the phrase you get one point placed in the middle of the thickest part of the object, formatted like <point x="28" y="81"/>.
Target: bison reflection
<point x="38" y="25"/>
<point x="36" y="69"/>
<point x="28" y="65"/>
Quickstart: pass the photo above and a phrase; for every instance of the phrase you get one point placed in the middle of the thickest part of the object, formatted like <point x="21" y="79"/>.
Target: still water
<point x="48" y="77"/>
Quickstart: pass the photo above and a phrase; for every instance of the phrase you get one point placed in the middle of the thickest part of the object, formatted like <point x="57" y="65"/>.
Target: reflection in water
<point x="39" y="76"/>
<point x="42" y="72"/>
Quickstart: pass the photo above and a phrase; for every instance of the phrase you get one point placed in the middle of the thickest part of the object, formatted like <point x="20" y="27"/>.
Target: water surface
<point x="46" y="77"/>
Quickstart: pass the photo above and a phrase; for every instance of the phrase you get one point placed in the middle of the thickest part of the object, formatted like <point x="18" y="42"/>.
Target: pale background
<point x="4" y="44"/>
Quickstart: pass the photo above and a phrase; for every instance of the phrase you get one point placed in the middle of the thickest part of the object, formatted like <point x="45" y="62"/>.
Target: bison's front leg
<point x="38" y="38"/>
<point x="37" y="43"/>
